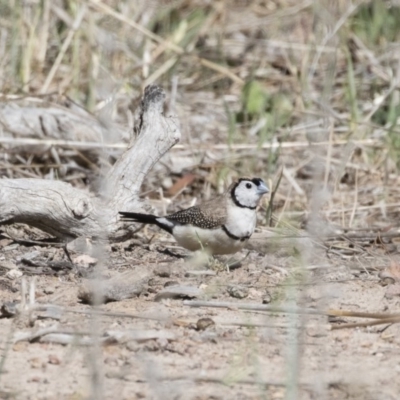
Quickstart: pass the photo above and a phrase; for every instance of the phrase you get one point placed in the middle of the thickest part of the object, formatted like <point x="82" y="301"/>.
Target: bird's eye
<point x="248" y="185"/>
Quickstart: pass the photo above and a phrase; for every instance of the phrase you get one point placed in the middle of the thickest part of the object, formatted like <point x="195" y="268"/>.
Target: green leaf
<point x="254" y="98"/>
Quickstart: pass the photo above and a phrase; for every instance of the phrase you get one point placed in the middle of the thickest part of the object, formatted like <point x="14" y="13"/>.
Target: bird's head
<point x="247" y="192"/>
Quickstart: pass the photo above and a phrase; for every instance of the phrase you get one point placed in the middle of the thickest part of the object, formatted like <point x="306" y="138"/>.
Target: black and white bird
<point x="222" y="225"/>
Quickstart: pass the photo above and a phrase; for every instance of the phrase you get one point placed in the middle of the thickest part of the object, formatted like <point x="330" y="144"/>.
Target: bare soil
<point x="232" y="358"/>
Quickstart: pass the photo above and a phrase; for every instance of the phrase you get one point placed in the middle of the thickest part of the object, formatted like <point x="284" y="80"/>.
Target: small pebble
<point x="162" y="271"/>
<point x="167" y="182"/>
<point x="14" y="274"/>
<point x="84" y="261"/>
<point x="171" y="283"/>
<point x="267" y="298"/>
<point x="35" y="379"/>
<point x="237" y="291"/>
<point x="387" y="281"/>
<point x="204" y="323"/>
<point x="35" y="363"/>
<point x="53" y="359"/>
<point x="49" y="290"/>
<point x="9" y="309"/>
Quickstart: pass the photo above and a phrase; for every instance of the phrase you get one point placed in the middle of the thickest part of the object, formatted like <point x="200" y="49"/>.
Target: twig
<point x="123" y="146"/>
<point x="50" y="308"/>
<point x="200" y="273"/>
<point x="227" y="380"/>
<point x="287" y="310"/>
<point x="271" y="199"/>
<point x="292" y="182"/>
<point x="390" y="320"/>
<point x="355" y="203"/>
<point x="356" y="314"/>
<point x="252" y="307"/>
<point x="30" y="337"/>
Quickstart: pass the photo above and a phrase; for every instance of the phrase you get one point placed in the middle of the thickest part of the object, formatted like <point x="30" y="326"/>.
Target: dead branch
<point x="383" y="321"/>
<point x="289" y="310"/>
<point x="253" y="307"/>
<point x="66" y="212"/>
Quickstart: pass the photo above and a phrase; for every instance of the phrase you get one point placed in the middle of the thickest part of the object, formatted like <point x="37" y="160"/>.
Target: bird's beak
<point x="262" y="188"/>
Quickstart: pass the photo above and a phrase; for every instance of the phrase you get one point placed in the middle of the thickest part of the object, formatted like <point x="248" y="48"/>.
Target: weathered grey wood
<point x="41" y="119"/>
<point x="154" y="136"/>
<point x="66" y="212"/>
<point x="52" y="206"/>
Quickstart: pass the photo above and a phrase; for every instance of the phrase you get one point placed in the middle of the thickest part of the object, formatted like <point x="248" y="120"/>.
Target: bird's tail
<point x="138" y="217"/>
<point x="147" y="219"/>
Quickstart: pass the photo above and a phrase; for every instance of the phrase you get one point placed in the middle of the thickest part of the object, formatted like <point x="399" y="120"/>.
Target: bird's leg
<point x="232" y="263"/>
<point x="199" y="259"/>
<point x="218" y="265"/>
<point x="211" y="261"/>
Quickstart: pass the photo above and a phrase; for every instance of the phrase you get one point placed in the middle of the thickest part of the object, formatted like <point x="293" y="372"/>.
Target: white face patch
<point x="247" y="194"/>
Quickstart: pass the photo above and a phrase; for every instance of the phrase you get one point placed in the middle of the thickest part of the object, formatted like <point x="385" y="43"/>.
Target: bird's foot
<point x="233" y="263"/>
<point x="216" y="265"/>
<point x="223" y="265"/>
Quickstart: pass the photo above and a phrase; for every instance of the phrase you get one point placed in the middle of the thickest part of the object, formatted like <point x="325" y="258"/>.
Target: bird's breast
<point x="241" y="221"/>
